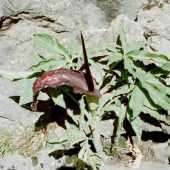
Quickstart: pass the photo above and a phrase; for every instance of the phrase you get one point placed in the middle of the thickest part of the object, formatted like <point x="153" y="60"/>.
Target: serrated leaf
<point x="34" y="59"/>
<point x="123" y="89"/>
<point x="42" y="64"/>
<point x="50" y="43"/>
<point x="136" y="102"/>
<point x="157" y="96"/>
<point x="156" y="115"/>
<point x="158" y="59"/>
<point x="157" y="83"/>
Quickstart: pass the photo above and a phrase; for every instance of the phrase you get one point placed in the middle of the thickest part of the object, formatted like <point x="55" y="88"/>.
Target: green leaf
<point x="57" y="97"/>
<point x="156" y="115"/>
<point x="42" y="64"/>
<point x="49" y="64"/>
<point x="158" y="59"/>
<point x="123" y="40"/>
<point x="34" y="59"/>
<point x="75" y="118"/>
<point x="136" y="102"/>
<point x="84" y="112"/>
<point x="112" y="47"/>
<point x="166" y="67"/>
<point x="157" y="91"/>
<point x="167" y="81"/>
<point x="50" y="43"/>
<point x="137" y="127"/>
<point x="149" y="103"/>
<point x="157" y="83"/>
<point x="88" y="156"/>
<point x="114" y="57"/>
<point x="123" y="89"/>
<point x="57" y="143"/>
<point x="105" y="99"/>
<point x="97" y="71"/>
<point x="12" y="75"/>
<point x="120" y="111"/>
<point x="72" y="47"/>
<point x="79" y="118"/>
<point x="74" y="134"/>
<point x="94" y="160"/>
<point x="83" y="154"/>
<point x="129" y="65"/>
<point x="157" y="96"/>
<point x="135" y="46"/>
<point x="26" y="95"/>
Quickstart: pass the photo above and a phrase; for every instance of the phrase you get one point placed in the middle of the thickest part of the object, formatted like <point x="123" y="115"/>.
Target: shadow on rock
<point x="52" y="112"/>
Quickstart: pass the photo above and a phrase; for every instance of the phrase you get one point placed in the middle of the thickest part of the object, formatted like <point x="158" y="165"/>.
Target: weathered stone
<point x="20" y="19"/>
<point x="113" y="8"/>
<point x="160" y="45"/>
<point x="15" y="114"/>
<point x="156" y="25"/>
<point x="133" y="29"/>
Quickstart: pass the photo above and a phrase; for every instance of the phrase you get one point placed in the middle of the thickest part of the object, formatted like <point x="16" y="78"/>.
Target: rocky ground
<point x="147" y="20"/>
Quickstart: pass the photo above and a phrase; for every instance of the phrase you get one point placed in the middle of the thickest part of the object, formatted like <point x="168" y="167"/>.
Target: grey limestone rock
<point x="20" y="19"/>
<point x="156" y="26"/>
<point x="15" y="114"/>
<point x="113" y="8"/>
<point x="133" y="29"/>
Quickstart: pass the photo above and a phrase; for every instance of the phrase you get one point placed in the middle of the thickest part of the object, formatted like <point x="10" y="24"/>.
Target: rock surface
<point x="156" y="26"/>
<point x="99" y="20"/>
<point x="113" y="8"/>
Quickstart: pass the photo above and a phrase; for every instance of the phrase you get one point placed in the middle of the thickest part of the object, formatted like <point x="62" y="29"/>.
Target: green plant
<point x="138" y="88"/>
<point x="129" y="89"/>
<point x="85" y="120"/>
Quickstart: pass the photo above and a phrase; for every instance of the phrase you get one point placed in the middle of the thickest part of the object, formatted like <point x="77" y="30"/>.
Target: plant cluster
<point x="132" y="81"/>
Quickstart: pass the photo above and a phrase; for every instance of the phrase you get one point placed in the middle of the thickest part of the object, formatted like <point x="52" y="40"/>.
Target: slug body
<point x="80" y="81"/>
<point x="55" y="78"/>
<point x="59" y="77"/>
